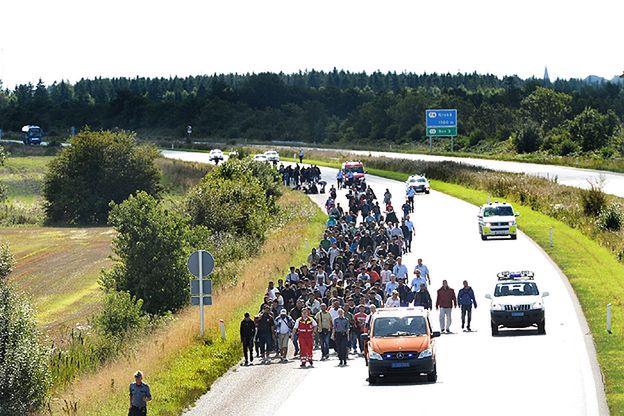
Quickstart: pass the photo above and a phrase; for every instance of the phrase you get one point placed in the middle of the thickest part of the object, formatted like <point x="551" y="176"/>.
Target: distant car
<point x="418" y="183"/>
<point x="517" y="302"/>
<point x="401" y="341"/>
<point x="260" y="158"/>
<point x="215" y="155"/>
<point x="272" y="156"/>
<point x="354" y="173"/>
<point x="497" y="219"/>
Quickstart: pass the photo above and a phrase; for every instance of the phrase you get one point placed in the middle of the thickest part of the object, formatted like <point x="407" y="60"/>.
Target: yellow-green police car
<point x="497" y="219"/>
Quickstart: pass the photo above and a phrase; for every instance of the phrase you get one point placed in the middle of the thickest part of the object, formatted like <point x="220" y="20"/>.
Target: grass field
<point x="180" y="366"/>
<point x="595" y="274"/>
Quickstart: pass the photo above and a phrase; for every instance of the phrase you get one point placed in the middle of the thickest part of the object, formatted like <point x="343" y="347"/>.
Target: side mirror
<point x="435" y="334"/>
<point x="365" y="337"/>
<point x="545" y="294"/>
<point x="488" y="296"/>
<point x="517" y="214"/>
<point x="479" y="216"/>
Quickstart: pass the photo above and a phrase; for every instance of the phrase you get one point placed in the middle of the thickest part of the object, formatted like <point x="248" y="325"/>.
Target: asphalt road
<point x="577" y="177"/>
<point x="517" y="373"/>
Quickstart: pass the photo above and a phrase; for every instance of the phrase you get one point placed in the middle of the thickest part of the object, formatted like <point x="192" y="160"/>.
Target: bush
<point x="150" y="252"/>
<point x="121" y="313"/>
<point x="24" y="374"/>
<point x="7" y="261"/>
<point x="593" y="199"/>
<point x="529" y="138"/>
<point x="568" y="147"/>
<point x="98" y="168"/>
<point x="611" y="218"/>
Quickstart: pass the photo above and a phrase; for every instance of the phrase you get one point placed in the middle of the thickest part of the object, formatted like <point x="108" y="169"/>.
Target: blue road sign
<point x="207" y="263"/>
<point x="195" y="300"/>
<point x="206" y="285"/>
<point x="441" y="118"/>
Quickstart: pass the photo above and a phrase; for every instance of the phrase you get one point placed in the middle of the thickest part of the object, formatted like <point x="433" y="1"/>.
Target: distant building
<point x="546" y="77"/>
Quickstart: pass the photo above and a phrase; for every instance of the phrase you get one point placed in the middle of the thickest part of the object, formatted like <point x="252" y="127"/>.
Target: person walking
<point x="341" y="336"/>
<point x="264" y="325"/>
<point x="283" y="327"/>
<point x="424" y="270"/>
<point x="140" y="394"/>
<point x="422" y="297"/>
<point x="446" y="301"/>
<point x="393" y="301"/>
<point x="300" y="155"/>
<point x="325" y="326"/>
<point x="305" y="328"/>
<point x="247" y="335"/>
<point x="465" y="300"/>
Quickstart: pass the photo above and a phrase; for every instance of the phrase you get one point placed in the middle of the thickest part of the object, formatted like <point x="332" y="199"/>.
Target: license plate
<point x="400" y="365"/>
<point x="517" y="314"/>
<point x="501" y="232"/>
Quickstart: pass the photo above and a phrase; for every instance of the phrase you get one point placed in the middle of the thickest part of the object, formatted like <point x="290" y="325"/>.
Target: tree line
<point x="562" y="117"/>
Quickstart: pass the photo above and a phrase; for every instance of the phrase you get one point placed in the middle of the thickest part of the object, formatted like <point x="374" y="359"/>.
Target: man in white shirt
<point x="293" y="276"/>
<point x="417" y="280"/>
<point x="272" y="292"/>
<point x="424" y="270"/>
<point x="400" y="270"/>
<point x="391" y="286"/>
<point x="385" y="274"/>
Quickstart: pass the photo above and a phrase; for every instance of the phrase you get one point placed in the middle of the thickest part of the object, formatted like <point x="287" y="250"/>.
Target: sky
<point x="74" y="39"/>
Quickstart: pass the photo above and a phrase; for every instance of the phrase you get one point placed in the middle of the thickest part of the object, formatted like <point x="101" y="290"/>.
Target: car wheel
<point x="427" y="192"/>
<point x="372" y="380"/>
<point x="494" y="329"/>
<point x="541" y="327"/>
<point x="513" y="236"/>
<point x="483" y="237"/>
<point x="432" y="377"/>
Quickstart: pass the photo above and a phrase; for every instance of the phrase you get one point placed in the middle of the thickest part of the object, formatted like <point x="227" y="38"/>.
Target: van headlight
<point x="497" y="307"/>
<point x="488" y="224"/>
<point x="425" y="354"/>
<point x="372" y="355"/>
<point x="512" y="223"/>
<point x="537" y="305"/>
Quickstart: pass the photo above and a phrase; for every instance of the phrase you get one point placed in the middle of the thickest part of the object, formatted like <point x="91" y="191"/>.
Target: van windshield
<point x="516" y="289"/>
<point x="399" y="326"/>
<point x="502" y="211"/>
<point x="354" y="169"/>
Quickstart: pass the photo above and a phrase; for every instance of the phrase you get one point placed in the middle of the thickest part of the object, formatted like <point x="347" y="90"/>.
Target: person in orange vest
<point x="305" y="327"/>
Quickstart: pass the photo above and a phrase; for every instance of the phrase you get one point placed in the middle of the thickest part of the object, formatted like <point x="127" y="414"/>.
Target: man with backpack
<point x="284" y="325"/>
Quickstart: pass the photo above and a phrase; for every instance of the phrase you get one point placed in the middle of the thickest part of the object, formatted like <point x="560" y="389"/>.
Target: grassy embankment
<point x="595" y="274"/>
<point x="179" y="366"/>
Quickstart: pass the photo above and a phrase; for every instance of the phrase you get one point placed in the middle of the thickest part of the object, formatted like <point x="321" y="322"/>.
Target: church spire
<point x="546" y="77"/>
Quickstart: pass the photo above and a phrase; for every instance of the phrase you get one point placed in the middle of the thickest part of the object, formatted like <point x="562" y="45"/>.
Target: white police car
<point x="517" y="302"/>
<point x="418" y="183"/>
<point x="497" y="219"/>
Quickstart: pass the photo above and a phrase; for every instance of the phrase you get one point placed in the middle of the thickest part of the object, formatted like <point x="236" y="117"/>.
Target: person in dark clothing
<point x="422" y="297"/>
<point x="295" y="313"/>
<point x="247" y="334"/>
<point x="404" y="293"/>
<point x="265" y="324"/>
<point x="465" y="300"/>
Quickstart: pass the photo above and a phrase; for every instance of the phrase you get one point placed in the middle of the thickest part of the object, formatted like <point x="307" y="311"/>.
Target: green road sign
<point x="441" y="131"/>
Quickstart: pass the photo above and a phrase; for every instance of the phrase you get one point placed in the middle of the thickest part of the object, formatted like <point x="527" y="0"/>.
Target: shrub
<point x="121" y="313"/>
<point x="98" y="168"/>
<point x="150" y="252"/>
<point x="568" y="147"/>
<point x="24" y="375"/>
<point x="7" y="261"/>
<point x="611" y="218"/>
<point x="529" y="138"/>
<point x="593" y="199"/>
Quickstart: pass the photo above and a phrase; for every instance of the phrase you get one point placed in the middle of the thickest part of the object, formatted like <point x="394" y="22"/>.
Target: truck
<point x="32" y="134"/>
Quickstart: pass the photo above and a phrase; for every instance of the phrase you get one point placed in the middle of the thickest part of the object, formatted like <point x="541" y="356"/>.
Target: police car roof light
<point x="524" y="274"/>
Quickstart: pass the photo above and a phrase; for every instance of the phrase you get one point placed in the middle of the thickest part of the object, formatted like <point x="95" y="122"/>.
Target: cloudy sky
<point x="71" y="39"/>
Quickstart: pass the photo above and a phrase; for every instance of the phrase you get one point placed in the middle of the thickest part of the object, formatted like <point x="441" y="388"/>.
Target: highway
<point x="517" y="373"/>
<point x="577" y="177"/>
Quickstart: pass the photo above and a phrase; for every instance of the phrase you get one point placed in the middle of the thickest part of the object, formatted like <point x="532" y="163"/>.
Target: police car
<point x="517" y="302"/>
<point x="497" y="219"/>
<point x="418" y="183"/>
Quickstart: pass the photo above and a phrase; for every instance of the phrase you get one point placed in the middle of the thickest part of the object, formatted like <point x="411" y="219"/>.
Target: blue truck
<point x="32" y="134"/>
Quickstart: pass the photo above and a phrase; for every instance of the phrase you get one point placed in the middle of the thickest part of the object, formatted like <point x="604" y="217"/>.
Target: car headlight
<point x="512" y="223"/>
<point x="488" y="224"/>
<point x="537" y="305"/>
<point x="372" y="355"/>
<point x="426" y="353"/>
<point x="497" y="307"/>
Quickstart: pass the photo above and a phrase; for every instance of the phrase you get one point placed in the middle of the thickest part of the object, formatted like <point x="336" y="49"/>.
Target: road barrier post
<point x="306" y="244"/>
<point x="609" y="318"/>
<point x="222" y="326"/>
<point x="551" y="237"/>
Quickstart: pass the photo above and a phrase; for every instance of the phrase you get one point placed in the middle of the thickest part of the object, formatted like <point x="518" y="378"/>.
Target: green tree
<point x="7" y="261"/>
<point x="150" y="254"/>
<point x="3" y="190"/>
<point x="98" y="168"/>
<point x="24" y="374"/>
<point x="590" y="128"/>
<point x="528" y="138"/>
<point x="120" y="313"/>
<point x="547" y="107"/>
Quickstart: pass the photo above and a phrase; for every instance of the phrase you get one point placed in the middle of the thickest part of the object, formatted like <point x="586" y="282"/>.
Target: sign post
<point x="441" y="123"/>
<point x="201" y="264"/>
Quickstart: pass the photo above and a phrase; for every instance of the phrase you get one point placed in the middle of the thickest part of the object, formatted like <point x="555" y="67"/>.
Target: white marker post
<point x="222" y="326"/>
<point x="551" y="237"/>
<point x="609" y="318"/>
<point x="201" y="296"/>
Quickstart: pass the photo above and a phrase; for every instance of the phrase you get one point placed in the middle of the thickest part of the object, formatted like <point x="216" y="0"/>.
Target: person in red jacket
<point x="305" y="328"/>
<point x="446" y="301"/>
